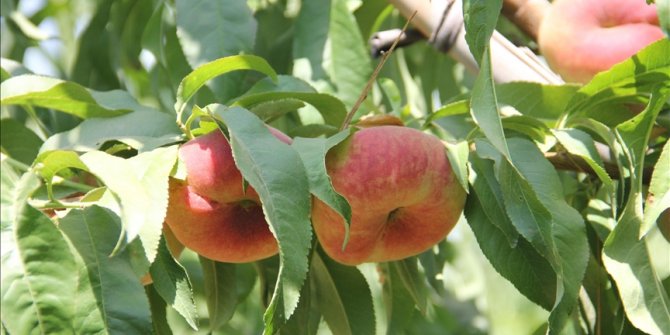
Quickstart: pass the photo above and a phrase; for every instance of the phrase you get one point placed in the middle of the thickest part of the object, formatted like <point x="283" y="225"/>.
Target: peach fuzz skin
<point x="403" y="194"/>
<point x="580" y="38"/>
<point x="211" y="213"/>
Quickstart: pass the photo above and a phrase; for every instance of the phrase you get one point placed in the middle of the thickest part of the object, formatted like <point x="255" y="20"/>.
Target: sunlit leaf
<point x="64" y="96"/>
<point x="203" y="73"/>
<point x="141" y="185"/>
<point x="625" y="253"/>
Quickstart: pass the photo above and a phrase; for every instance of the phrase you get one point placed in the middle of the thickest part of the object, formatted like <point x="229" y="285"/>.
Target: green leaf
<point x="513" y="257"/>
<point x="567" y="238"/>
<point x="210" y="29"/>
<point x="398" y="301"/>
<point x="658" y="198"/>
<point x="172" y="283"/>
<point x="141" y="186"/>
<point x="458" y="159"/>
<point x="484" y="108"/>
<point x="581" y="144"/>
<point x="18" y="141"/>
<point x="535" y="129"/>
<point x="38" y="273"/>
<point x="344" y="66"/>
<point x="48" y="164"/>
<point x="275" y="171"/>
<point x="158" y="312"/>
<point x="64" y="96"/>
<point x="9" y="180"/>
<point x="196" y="79"/>
<point x="307" y="317"/>
<point x="343" y="297"/>
<point x="535" y="99"/>
<point x="117" y="289"/>
<point x="312" y="152"/>
<point x="144" y="130"/>
<point x="480" y="18"/>
<point x="12" y="68"/>
<point x="272" y="110"/>
<point x="663" y="8"/>
<point x="455" y="108"/>
<point x="636" y="75"/>
<point x="534" y="201"/>
<point x="487" y="191"/>
<point x="625" y="254"/>
<point x="287" y="87"/>
<point x="220" y="290"/>
<point x="413" y="280"/>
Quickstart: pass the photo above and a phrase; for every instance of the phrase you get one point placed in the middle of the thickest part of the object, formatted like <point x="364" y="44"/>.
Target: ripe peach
<point x="403" y="195"/>
<point x="580" y="38"/>
<point x="211" y="212"/>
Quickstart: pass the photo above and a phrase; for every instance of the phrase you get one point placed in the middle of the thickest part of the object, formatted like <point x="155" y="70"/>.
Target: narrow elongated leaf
<point x="454" y="108"/>
<point x="220" y="290"/>
<point x="397" y="300"/>
<point x="534" y="202"/>
<point x="413" y="280"/>
<point x="518" y="262"/>
<point x="275" y="171"/>
<point x="625" y="254"/>
<point x="484" y="108"/>
<point x="141" y="185"/>
<point x="50" y="163"/>
<point x="9" y="179"/>
<point x="18" y="141"/>
<point x="38" y="271"/>
<point x="286" y="87"/>
<point x="663" y="7"/>
<point x="658" y="198"/>
<point x="118" y="292"/>
<point x="646" y="69"/>
<point x="343" y="296"/>
<point x="196" y="79"/>
<point x="143" y="129"/>
<point x="581" y="144"/>
<point x="64" y="96"/>
<point x="535" y="99"/>
<point x="172" y="283"/>
<point x="12" y="68"/>
<point x="313" y="155"/>
<point x="567" y="236"/>
<point x="210" y="29"/>
<point x="458" y="158"/>
<point x="480" y="18"/>
<point x="329" y="51"/>
<point x="158" y="312"/>
<point x="490" y="197"/>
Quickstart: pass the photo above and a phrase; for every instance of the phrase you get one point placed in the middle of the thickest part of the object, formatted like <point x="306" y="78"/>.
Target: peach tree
<point x="231" y="167"/>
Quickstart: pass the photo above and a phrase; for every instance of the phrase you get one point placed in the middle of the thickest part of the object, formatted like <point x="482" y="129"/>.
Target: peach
<point x="580" y="38"/>
<point x="403" y="195"/>
<point x="212" y="213"/>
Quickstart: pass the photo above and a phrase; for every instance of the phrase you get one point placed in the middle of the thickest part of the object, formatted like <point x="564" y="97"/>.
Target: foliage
<point x="87" y="153"/>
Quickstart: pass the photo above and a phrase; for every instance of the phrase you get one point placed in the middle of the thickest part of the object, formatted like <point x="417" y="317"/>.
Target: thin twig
<point x="368" y="86"/>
